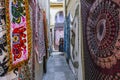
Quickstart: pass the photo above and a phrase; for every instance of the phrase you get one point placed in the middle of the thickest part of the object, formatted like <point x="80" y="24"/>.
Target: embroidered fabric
<point x="19" y="32"/>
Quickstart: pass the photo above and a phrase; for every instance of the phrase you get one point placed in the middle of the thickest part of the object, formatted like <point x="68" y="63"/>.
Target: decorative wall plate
<point x="19" y="32"/>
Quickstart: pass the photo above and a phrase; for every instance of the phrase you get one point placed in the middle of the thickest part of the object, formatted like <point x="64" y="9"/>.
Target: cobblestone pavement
<point x="57" y="68"/>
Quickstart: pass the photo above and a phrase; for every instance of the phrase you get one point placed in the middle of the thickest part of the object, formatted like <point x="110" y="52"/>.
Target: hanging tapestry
<point x="41" y="37"/>
<point x="33" y="6"/>
<point x="26" y="72"/>
<point x="4" y="57"/>
<point x="101" y="28"/>
<point x="19" y="32"/>
<point x="45" y="30"/>
<point x="37" y="20"/>
<point x="68" y="36"/>
<point x="65" y="35"/>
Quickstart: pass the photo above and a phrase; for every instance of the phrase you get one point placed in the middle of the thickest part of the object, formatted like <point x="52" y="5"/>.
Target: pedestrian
<point x="61" y="45"/>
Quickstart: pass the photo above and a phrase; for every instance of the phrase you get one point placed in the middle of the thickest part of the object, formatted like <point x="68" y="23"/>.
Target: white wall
<point x="53" y="12"/>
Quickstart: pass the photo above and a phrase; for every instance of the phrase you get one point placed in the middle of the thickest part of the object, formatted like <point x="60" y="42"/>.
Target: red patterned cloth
<point x="19" y="32"/>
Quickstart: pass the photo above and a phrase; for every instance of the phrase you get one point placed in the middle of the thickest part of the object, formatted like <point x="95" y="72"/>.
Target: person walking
<point x="61" y="45"/>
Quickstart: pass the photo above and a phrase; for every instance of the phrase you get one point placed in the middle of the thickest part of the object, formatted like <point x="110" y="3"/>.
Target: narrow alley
<point x="57" y="68"/>
<point x="59" y="39"/>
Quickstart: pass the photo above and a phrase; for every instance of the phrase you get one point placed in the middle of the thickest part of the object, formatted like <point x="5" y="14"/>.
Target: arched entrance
<point x="58" y="29"/>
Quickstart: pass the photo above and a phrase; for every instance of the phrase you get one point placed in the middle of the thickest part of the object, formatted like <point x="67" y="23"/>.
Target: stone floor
<point x="57" y="68"/>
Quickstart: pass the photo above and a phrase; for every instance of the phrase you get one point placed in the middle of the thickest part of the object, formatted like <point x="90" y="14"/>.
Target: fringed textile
<point x="19" y="32"/>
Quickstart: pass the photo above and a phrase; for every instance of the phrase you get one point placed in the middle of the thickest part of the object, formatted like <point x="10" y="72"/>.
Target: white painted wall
<point x="53" y="12"/>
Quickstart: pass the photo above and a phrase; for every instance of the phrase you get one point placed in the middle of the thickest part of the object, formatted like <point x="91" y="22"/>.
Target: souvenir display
<point x="18" y="32"/>
<point x="101" y="39"/>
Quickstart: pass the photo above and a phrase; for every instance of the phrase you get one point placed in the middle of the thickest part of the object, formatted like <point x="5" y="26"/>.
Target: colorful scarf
<point x="19" y="32"/>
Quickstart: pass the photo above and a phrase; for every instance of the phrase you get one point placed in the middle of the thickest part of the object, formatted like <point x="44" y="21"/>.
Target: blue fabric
<point x="67" y="36"/>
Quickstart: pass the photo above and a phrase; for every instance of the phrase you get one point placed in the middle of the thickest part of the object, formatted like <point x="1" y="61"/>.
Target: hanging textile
<point x="19" y="32"/>
<point x="101" y="28"/>
<point x="45" y="30"/>
<point x="41" y="37"/>
<point x="39" y="40"/>
<point x="33" y="5"/>
<point x="67" y="36"/>
<point x="3" y="43"/>
<point x="27" y="72"/>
